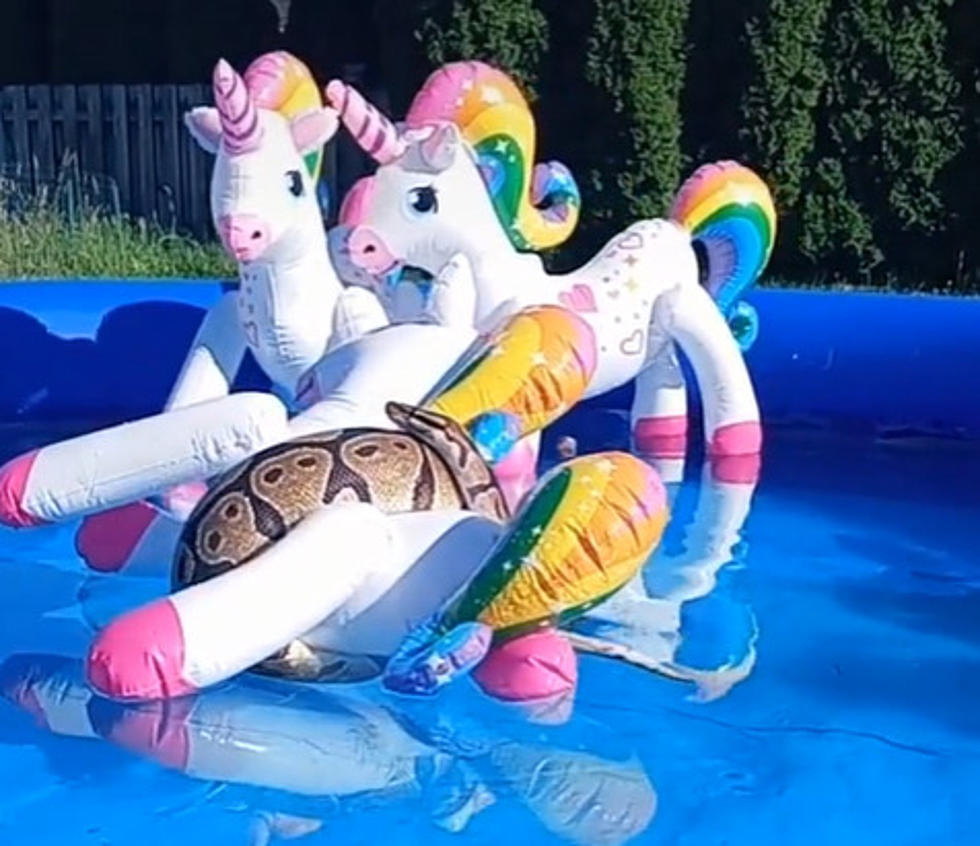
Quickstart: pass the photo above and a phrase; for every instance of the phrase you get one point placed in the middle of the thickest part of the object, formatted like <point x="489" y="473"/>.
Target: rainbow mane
<point x="282" y="83"/>
<point x="538" y="207"/>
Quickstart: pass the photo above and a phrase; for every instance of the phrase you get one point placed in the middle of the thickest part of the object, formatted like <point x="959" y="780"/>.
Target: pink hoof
<point x="13" y="487"/>
<point x="140" y="656"/>
<point x="106" y="541"/>
<point x="661" y="437"/>
<point x="154" y="731"/>
<point x="535" y="666"/>
<point x="736" y="439"/>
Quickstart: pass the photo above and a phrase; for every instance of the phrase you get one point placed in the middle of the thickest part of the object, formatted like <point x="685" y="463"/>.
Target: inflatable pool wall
<point x="99" y="351"/>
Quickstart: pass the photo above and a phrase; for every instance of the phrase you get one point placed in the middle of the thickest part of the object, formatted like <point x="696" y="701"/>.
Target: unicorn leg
<point x="212" y="630"/>
<point x="731" y="414"/>
<point x="214" y="357"/>
<point x="138" y="538"/>
<point x="658" y="418"/>
<point x="127" y="463"/>
<point x="585" y="531"/>
<point x="513" y="383"/>
<point x="357" y="312"/>
<point x="135" y="539"/>
<point x="452" y="301"/>
<point x="107" y="540"/>
<point x="539" y="667"/>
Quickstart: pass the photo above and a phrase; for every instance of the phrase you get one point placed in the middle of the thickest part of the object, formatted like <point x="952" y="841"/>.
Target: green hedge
<point x="863" y="115"/>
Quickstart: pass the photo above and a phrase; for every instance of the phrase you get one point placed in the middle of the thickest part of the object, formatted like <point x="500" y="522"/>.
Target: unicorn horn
<point x="375" y="134"/>
<point x="239" y="117"/>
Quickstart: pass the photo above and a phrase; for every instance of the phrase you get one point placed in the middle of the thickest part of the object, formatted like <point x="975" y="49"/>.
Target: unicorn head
<point x="266" y="131"/>
<point x="455" y="178"/>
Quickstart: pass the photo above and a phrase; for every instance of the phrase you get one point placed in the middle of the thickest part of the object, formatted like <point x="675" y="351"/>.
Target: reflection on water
<point x="353" y="752"/>
<point x="683" y="612"/>
<point x="857" y="723"/>
<point x="294" y="758"/>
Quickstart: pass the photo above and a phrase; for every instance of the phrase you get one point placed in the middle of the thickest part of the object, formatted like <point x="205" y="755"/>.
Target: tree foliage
<point x="862" y="115"/>
<point x="512" y="34"/>
<point x="635" y="62"/>
<point x="852" y="115"/>
<point x="782" y="101"/>
<point x="891" y="114"/>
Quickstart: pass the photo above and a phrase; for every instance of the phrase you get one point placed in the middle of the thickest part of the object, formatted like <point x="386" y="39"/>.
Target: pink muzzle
<point x="369" y="252"/>
<point x="245" y="236"/>
<point x="367" y="248"/>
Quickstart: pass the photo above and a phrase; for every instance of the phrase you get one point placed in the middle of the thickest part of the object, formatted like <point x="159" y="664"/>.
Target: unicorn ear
<point x="204" y="124"/>
<point x="439" y="149"/>
<point x="313" y="129"/>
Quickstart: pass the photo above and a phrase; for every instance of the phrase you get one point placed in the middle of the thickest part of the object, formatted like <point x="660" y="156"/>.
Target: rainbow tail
<point x="732" y="220"/>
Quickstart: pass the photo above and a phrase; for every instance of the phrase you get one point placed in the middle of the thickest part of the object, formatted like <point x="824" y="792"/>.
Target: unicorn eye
<point x="423" y="200"/>
<point x="295" y="181"/>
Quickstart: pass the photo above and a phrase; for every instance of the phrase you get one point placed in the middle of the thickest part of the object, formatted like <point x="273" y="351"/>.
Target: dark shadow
<point x="54" y="387"/>
<point x="125" y="372"/>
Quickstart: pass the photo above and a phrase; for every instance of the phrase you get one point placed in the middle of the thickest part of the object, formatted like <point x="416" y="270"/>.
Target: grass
<point x="39" y="240"/>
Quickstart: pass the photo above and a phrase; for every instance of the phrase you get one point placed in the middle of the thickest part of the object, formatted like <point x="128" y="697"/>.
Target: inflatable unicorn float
<point x="501" y="358"/>
<point x="456" y="182"/>
<point x="312" y="337"/>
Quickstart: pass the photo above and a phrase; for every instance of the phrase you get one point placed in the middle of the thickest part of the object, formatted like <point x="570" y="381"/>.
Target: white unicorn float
<point x="455" y="182"/>
<point x="335" y="363"/>
<point x="312" y="341"/>
<point x="265" y="131"/>
<point x="289" y="310"/>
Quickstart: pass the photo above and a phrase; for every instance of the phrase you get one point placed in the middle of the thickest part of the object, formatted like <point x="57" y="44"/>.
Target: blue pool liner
<point x="110" y="350"/>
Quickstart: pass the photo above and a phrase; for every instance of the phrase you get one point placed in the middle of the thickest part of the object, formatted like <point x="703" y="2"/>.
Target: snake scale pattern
<point x="429" y="463"/>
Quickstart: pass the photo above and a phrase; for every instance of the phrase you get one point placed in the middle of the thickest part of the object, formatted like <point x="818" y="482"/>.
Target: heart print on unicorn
<point x="457" y="181"/>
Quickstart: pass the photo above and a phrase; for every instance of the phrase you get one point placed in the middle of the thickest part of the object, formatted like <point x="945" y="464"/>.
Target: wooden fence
<point x="120" y="146"/>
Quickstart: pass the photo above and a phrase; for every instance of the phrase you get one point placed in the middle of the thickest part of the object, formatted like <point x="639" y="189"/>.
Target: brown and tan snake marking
<point x="431" y="464"/>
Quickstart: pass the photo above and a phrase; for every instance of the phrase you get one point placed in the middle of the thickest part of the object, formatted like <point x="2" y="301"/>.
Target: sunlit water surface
<point x="830" y="612"/>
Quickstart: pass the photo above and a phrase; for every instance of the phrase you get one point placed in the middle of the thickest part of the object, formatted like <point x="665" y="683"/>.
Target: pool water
<point x="830" y="611"/>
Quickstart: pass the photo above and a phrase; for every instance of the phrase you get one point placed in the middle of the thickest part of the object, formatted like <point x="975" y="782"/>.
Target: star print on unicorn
<point x="457" y="179"/>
